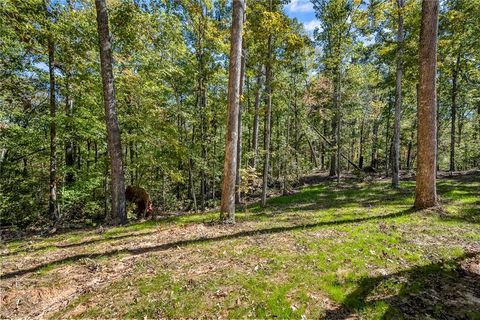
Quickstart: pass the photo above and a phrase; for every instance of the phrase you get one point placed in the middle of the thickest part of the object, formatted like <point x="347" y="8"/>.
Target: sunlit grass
<point x="320" y="247"/>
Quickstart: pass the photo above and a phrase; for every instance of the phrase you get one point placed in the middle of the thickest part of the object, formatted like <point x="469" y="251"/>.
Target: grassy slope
<point x="324" y="251"/>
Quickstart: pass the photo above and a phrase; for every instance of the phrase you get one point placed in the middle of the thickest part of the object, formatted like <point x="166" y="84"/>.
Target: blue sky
<point x="303" y="11"/>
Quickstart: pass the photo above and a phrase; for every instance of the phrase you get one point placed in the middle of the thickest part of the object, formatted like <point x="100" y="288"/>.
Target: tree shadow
<point x="105" y="238"/>
<point x="442" y="290"/>
<point x="330" y="196"/>
<point x="355" y="194"/>
<point x="184" y="243"/>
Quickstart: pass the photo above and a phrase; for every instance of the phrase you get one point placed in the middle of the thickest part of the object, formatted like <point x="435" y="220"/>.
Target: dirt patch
<point x="37" y="295"/>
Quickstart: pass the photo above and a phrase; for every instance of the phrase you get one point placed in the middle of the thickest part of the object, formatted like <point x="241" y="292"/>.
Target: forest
<point x="289" y="159"/>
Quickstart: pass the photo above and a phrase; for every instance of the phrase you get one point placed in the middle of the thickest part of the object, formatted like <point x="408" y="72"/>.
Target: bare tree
<point x="426" y="193"/>
<point x="227" y="209"/>
<point x="114" y="145"/>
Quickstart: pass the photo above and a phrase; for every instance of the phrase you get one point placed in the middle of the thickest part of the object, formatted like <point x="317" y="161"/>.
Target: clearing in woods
<point x="354" y="250"/>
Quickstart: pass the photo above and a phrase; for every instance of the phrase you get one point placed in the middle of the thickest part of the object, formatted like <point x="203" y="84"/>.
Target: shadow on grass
<point x="331" y="196"/>
<point x="78" y="244"/>
<point x="443" y="290"/>
<point x="183" y="243"/>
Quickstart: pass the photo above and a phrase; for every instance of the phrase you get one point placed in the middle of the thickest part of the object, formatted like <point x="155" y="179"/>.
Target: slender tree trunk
<point x="398" y="99"/>
<point x="313" y="156"/>
<point x="426" y="193"/>
<point x="374" y="160"/>
<point x="268" y="117"/>
<point x="239" y="137"/>
<point x="53" y="206"/>
<point x="338" y="121"/>
<point x="360" y="150"/>
<point x="453" y="114"/>
<point x="258" y="90"/>
<point x="227" y="209"/>
<point x="114" y="145"/>
<point x="70" y="145"/>
<point x="478" y="119"/>
<point x="351" y="151"/>
<point x="410" y="146"/>
<point x="339" y="152"/>
<point x="460" y="131"/>
<point x="477" y="136"/>
<point x="333" y="156"/>
<point x="202" y="98"/>
<point x="191" y="185"/>
<point x="387" y="138"/>
<point x="89" y="144"/>
<point x="334" y="161"/>
<point x="323" y="144"/>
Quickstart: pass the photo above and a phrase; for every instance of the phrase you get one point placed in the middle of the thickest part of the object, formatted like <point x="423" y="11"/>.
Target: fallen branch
<point x="332" y="145"/>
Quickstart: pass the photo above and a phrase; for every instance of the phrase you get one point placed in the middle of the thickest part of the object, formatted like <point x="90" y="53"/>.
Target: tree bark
<point x="387" y="137"/>
<point x="333" y="156"/>
<point x="425" y="192"/>
<point x="373" y="162"/>
<point x="70" y="145"/>
<point x="360" y="149"/>
<point x="398" y="99"/>
<point x="114" y="145"/>
<point x="335" y="161"/>
<point x="53" y="206"/>
<point x="253" y="161"/>
<point x="338" y="119"/>
<point x="410" y="146"/>
<point x="453" y="114"/>
<point x="227" y="209"/>
<point x="239" y="137"/>
<point x="268" y="117"/>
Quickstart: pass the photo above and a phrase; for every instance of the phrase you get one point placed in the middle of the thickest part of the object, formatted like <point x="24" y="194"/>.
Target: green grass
<point x="323" y="251"/>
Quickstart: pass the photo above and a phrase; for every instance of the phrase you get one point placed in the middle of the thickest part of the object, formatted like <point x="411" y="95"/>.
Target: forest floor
<point x="348" y="251"/>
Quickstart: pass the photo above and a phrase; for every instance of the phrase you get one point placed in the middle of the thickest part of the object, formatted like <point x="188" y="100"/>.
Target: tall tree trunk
<point x="337" y="138"/>
<point x="478" y="119"/>
<point x="268" y="117"/>
<point x="410" y="146"/>
<point x="398" y="99"/>
<point x="227" y="209"/>
<point x="360" y="149"/>
<point x="334" y="161"/>
<point x="426" y="192"/>
<point x="313" y="155"/>
<point x="459" y="138"/>
<point x="338" y="120"/>
<point x="387" y="137"/>
<point x="333" y="156"/>
<point x="374" y="160"/>
<point x="239" y="137"/>
<point x="70" y="145"/>
<point x="53" y="206"/>
<point x="191" y="185"/>
<point x="323" y="144"/>
<point x="453" y="114"/>
<point x="114" y="145"/>
<point x="258" y="90"/>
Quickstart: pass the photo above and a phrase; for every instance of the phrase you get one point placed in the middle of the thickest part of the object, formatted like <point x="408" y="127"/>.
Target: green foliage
<point x="170" y="68"/>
